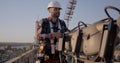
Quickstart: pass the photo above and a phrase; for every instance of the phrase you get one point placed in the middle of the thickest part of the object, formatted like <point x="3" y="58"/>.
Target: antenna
<point x="69" y="11"/>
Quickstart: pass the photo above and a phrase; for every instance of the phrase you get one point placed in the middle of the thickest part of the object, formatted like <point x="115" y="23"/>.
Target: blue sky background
<point x="17" y="17"/>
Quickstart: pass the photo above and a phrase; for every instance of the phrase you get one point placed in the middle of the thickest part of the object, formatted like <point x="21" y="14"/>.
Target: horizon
<point x="16" y="42"/>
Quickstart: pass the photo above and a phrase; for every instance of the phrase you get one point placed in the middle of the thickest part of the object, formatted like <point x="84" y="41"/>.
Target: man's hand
<point x="56" y="34"/>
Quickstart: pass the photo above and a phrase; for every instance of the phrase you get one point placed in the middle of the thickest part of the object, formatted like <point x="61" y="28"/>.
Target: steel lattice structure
<point x="69" y="11"/>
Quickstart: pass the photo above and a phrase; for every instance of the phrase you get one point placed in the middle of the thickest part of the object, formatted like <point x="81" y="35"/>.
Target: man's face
<point x="55" y="12"/>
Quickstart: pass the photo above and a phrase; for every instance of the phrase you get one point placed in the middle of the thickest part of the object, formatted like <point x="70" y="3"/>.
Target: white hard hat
<point x="54" y="4"/>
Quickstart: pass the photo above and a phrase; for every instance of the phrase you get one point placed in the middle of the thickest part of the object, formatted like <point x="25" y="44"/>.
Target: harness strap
<point x="52" y="40"/>
<point x="51" y="26"/>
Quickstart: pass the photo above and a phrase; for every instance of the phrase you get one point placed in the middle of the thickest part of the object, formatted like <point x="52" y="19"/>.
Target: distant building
<point x="7" y="47"/>
<point x="2" y="48"/>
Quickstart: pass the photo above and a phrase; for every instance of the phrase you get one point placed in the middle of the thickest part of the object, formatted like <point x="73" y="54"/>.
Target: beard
<point x="56" y="14"/>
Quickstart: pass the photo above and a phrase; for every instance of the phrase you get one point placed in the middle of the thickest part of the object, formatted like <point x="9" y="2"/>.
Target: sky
<point x="18" y="17"/>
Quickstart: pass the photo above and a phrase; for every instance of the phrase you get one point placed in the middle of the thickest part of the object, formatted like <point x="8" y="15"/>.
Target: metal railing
<point x="27" y="57"/>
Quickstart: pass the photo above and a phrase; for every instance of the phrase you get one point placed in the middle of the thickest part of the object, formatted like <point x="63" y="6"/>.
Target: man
<point x="51" y="28"/>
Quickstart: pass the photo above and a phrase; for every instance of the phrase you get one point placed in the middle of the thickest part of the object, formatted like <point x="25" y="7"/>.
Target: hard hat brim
<point x="54" y="7"/>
